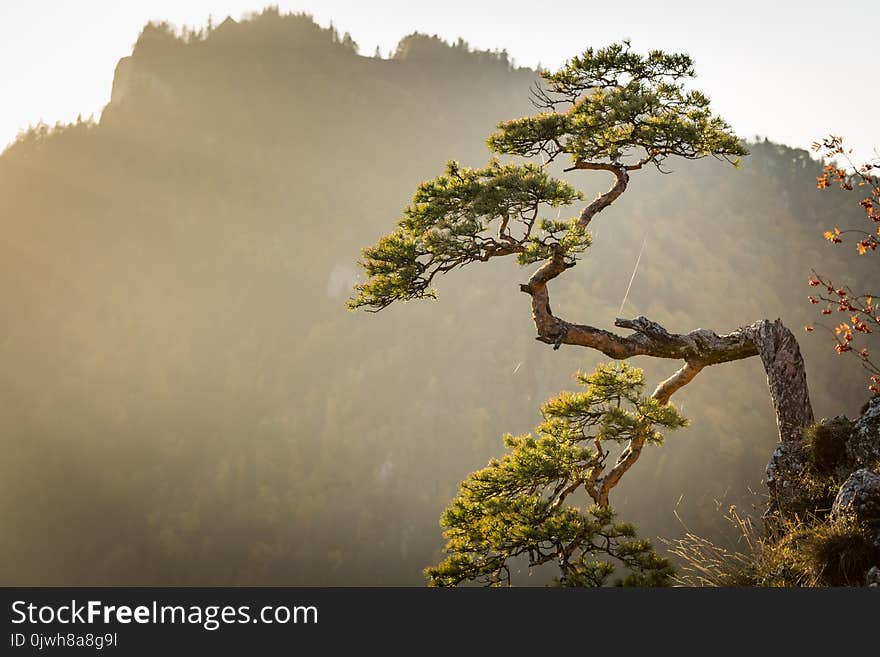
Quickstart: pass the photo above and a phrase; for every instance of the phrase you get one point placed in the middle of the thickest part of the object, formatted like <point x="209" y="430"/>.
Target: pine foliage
<point x="520" y="506"/>
<point x="609" y="107"/>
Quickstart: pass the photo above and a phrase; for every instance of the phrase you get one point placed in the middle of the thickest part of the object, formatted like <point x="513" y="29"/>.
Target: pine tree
<point x="516" y="506"/>
<point x="607" y="110"/>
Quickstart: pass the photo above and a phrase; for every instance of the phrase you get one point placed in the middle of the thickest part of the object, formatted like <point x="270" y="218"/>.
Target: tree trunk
<point x="786" y="377"/>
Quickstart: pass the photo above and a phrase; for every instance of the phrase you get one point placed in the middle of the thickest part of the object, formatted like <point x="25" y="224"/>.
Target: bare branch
<point x="606" y="199"/>
<point x="633" y="450"/>
<point x="681" y="378"/>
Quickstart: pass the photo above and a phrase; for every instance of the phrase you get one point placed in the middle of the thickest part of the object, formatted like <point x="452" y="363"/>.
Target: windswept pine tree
<point x="608" y="110"/>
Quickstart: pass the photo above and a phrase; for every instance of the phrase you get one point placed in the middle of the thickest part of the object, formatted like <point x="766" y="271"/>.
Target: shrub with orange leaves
<point x="862" y="310"/>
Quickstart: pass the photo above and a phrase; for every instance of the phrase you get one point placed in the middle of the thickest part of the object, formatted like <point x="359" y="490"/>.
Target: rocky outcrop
<point x="783" y="477"/>
<point x="863" y="446"/>
<point x="859" y="496"/>
<point x="832" y="450"/>
<point x="133" y="78"/>
<point x="827" y="484"/>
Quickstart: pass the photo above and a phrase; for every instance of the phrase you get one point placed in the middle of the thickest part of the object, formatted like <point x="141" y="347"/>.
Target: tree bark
<point x="786" y="376"/>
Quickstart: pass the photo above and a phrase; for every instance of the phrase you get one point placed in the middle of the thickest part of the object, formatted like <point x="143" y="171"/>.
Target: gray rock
<point x="860" y="496"/>
<point x="787" y="464"/>
<point x="863" y="446"/>
<point x="873" y="577"/>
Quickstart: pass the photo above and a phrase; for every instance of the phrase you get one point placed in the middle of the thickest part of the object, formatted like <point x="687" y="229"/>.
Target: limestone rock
<point x="860" y="496"/>
<point x="863" y="446"/>
<point x="787" y="464"/>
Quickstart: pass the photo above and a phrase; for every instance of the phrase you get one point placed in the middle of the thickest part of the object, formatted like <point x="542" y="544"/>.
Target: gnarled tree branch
<point x="772" y="341"/>
<point x="776" y="345"/>
<point x="786" y="376"/>
<point x="603" y="200"/>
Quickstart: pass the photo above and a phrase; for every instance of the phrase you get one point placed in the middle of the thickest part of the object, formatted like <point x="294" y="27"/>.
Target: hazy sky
<point x="788" y="70"/>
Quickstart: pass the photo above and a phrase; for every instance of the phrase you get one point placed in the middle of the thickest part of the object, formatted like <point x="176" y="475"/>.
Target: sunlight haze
<point x="187" y="400"/>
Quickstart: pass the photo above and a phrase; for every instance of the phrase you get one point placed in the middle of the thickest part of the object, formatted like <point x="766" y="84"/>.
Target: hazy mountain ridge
<point x="184" y="399"/>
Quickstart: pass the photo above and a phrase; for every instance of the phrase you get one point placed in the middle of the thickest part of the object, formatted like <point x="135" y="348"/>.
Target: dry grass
<point x="826" y="445"/>
<point x="813" y="551"/>
<point x="835" y="552"/>
<point x="705" y="563"/>
<point x="810" y="548"/>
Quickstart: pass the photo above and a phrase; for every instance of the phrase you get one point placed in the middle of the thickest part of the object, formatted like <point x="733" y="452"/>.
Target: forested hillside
<point x="184" y="398"/>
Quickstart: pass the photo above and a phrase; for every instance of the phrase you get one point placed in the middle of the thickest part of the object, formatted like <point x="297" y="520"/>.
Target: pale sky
<point x="788" y="70"/>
